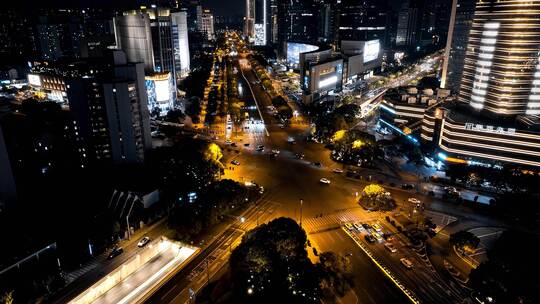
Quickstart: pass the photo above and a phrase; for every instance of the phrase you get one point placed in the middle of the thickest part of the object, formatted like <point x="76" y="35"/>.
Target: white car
<point x="275" y="151"/>
<point x="337" y="170"/>
<point x="390" y="247"/>
<point x="415" y="201"/>
<point x="228" y="142"/>
<point x="145" y="240"/>
<point x="406" y="263"/>
<point x="324" y="180"/>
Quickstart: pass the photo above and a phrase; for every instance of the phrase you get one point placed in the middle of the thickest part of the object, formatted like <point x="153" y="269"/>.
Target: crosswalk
<point x="327" y="222"/>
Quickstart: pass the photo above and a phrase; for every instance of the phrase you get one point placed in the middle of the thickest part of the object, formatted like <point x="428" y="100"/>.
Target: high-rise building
<point x="328" y="22"/>
<point x="422" y="22"/>
<point x="59" y="33"/>
<point x="181" y="43"/>
<point x="257" y="21"/>
<point x="297" y="21"/>
<point x="458" y="31"/>
<point x="133" y="36"/>
<point x="107" y="103"/>
<point x="207" y="24"/>
<point x="149" y="34"/>
<point x="249" y="20"/>
<point x="362" y="20"/>
<point x="496" y="119"/>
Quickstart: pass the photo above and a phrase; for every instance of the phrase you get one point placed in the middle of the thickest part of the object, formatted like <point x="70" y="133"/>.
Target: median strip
<point x="410" y="295"/>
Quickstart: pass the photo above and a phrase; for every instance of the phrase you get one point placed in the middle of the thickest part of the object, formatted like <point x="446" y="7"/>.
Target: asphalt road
<point x="370" y="285"/>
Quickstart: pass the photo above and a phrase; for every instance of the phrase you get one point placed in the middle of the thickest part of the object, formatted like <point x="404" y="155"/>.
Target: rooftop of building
<point x="462" y="112"/>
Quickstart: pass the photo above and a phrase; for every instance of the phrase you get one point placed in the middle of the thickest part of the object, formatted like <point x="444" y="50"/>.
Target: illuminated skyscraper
<point x="249" y="20"/>
<point x="501" y="74"/>
<point x="133" y="36"/>
<point x="496" y="121"/>
<point x="181" y="44"/>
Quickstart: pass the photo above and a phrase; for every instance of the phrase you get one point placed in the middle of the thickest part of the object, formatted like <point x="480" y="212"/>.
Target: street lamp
<point x="301" y="204"/>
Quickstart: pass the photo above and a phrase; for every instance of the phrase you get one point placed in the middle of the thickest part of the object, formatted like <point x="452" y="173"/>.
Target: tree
<point x="336" y="274"/>
<point x="375" y="197"/>
<point x="464" y="240"/>
<point x="510" y="274"/>
<point x="271" y="264"/>
<point x="7" y="298"/>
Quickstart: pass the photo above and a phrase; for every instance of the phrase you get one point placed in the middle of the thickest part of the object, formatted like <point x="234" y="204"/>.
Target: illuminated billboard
<point x="294" y="49"/>
<point x="160" y="90"/>
<point x="371" y="50"/>
<point x="34" y="80"/>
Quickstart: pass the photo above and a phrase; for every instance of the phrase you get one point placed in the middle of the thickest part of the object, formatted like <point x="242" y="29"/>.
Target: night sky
<point x="219" y="7"/>
<point x="225" y="7"/>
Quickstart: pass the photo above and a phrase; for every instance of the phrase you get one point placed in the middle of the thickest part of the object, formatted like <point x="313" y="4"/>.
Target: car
<point x="317" y="164"/>
<point x="116" y="251"/>
<point x="260" y="148"/>
<point x="407" y="186"/>
<point x="377" y="227"/>
<point x="235" y="162"/>
<point x="413" y="200"/>
<point x="228" y="141"/>
<point x="275" y="151"/>
<point x="143" y="242"/>
<point x="390" y="247"/>
<point x="406" y="262"/>
<point x="377" y="236"/>
<point x="357" y="226"/>
<point x="366" y="226"/>
<point x="369" y="238"/>
<point x="349" y="226"/>
<point x="337" y="170"/>
<point x="298" y="156"/>
<point x="324" y="180"/>
<point x="246" y="145"/>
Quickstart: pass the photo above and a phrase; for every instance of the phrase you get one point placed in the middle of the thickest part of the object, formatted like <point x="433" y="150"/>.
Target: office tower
<point x="273" y="23"/>
<point x="59" y="33"/>
<point x="181" y="43"/>
<point x="17" y="36"/>
<point x="496" y="120"/>
<point x="362" y="20"/>
<point x="133" y="36"/>
<point x="107" y="105"/>
<point x="297" y="21"/>
<point x="500" y="74"/>
<point x="261" y="22"/>
<point x="328" y="22"/>
<point x="458" y="31"/>
<point x="257" y="21"/>
<point x="206" y="23"/>
<point x="249" y="20"/>
<point x="422" y="22"/>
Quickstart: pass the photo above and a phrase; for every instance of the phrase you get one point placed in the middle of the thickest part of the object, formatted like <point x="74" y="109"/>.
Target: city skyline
<point x="256" y="151"/>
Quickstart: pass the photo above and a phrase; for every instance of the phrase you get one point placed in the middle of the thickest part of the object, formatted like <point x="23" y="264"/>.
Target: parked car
<point x="235" y="162"/>
<point x="143" y="242"/>
<point x="337" y="170"/>
<point x="369" y="238"/>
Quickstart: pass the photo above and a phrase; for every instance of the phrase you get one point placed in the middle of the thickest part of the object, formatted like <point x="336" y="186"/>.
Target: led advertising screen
<point x="294" y="49"/>
<point x="371" y="50"/>
<point x="34" y="80"/>
<point x="162" y="90"/>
